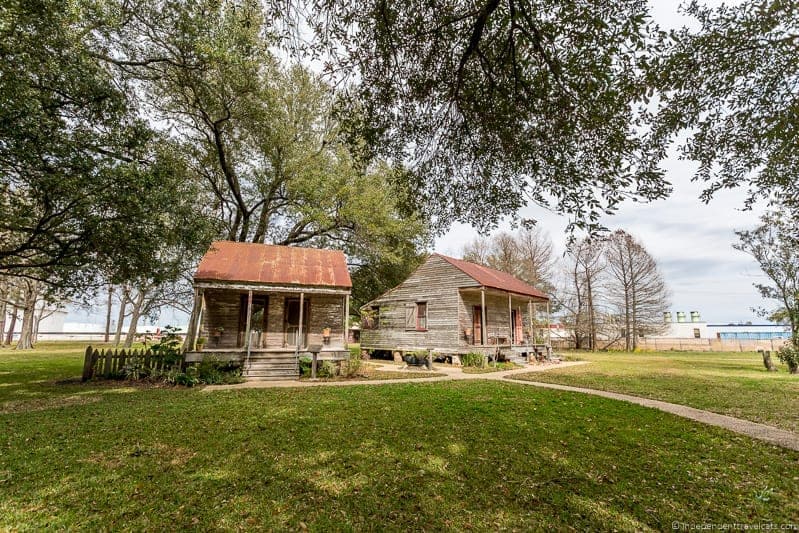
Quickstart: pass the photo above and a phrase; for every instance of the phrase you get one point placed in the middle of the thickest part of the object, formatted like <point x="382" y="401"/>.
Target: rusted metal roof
<point x="273" y="265"/>
<point x="495" y="279"/>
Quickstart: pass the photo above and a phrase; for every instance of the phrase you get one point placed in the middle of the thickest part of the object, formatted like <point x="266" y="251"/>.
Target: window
<point x="421" y="316"/>
<point x="416" y="316"/>
<point x="697" y="334"/>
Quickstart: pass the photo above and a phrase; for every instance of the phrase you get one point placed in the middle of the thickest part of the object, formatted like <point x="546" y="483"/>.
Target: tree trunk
<point x="30" y="295"/>
<point x="123" y="302"/>
<point x="3" y="309"/>
<point x="767" y="362"/>
<point x="108" y="312"/>
<point x="134" y="317"/>
<point x="13" y="324"/>
<point x="38" y="320"/>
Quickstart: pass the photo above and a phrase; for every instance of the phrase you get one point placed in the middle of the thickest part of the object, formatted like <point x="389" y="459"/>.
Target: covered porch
<point x="267" y="325"/>
<point x="516" y="325"/>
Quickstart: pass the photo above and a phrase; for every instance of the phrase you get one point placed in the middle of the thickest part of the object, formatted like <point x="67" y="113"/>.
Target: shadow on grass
<point x="410" y="456"/>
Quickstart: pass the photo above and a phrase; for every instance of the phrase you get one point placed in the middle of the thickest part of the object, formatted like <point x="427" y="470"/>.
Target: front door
<point x="260" y="304"/>
<point x="292" y="322"/>
<point x="477" y="325"/>
<point x="518" y="328"/>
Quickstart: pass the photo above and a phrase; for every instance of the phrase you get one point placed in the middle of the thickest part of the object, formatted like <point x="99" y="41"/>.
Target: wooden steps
<point x="267" y="366"/>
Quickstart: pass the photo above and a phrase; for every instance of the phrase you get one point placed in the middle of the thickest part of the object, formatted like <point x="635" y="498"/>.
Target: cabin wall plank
<point x="436" y="282"/>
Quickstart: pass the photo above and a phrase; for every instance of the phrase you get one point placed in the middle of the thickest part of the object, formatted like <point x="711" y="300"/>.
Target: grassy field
<point x="452" y="455"/>
<point x="734" y="384"/>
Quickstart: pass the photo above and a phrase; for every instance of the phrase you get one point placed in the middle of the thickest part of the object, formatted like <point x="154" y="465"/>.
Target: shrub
<point x="212" y="371"/>
<point x="134" y="369"/>
<point x="789" y="354"/>
<point x="473" y="359"/>
<point x="169" y="347"/>
<point x="176" y="377"/>
<point x="352" y="366"/>
<point x="327" y="370"/>
<point x="305" y="365"/>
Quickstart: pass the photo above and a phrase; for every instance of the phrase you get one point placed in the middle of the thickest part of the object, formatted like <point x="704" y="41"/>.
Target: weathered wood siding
<point x="497" y="317"/>
<point x="223" y="308"/>
<point x="435" y="282"/>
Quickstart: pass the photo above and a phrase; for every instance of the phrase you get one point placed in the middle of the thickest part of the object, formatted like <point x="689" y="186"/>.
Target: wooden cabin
<point x="453" y="307"/>
<point x="266" y="306"/>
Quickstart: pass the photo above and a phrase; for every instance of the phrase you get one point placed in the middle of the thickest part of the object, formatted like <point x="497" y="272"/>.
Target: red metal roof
<point x="495" y="279"/>
<point x="273" y="265"/>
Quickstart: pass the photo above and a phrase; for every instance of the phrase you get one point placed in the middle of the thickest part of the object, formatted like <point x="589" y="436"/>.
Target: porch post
<point x="530" y="320"/>
<point x="299" y="330"/>
<point x="346" y="319"/>
<point x="191" y="332"/>
<point x="247" y="328"/>
<point x="199" y="325"/>
<point x="484" y="312"/>
<point x="510" y="321"/>
<point x="549" y="330"/>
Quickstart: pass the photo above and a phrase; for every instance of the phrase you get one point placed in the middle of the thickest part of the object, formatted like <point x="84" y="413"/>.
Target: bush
<point x="327" y="369"/>
<point x="134" y="369"/>
<point x="305" y="365"/>
<point x="212" y="371"/>
<point x="176" y="377"/>
<point x="473" y="359"/>
<point x="789" y="354"/>
<point x="352" y="366"/>
<point x="169" y="347"/>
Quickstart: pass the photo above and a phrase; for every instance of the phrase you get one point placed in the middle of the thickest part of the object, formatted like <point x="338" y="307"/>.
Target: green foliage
<point x="774" y="244"/>
<point x="789" y="354"/>
<point x="134" y="369"/>
<point x="263" y="138"/>
<point x="175" y="376"/>
<point x="78" y="167"/>
<point x="327" y="369"/>
<point x="212" y="371"/>
<point x="351" y="367"/>
<point x="729" y="81"/>
<point x="501" y="103"/>
<point x="305" y="365"/>
<point x="473" y="359"/>
<point x="169" y="347"/>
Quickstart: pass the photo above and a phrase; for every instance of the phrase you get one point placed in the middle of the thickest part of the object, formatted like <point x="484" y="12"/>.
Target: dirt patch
<point x="26" y="406"/>
<point x="162" y="453"/>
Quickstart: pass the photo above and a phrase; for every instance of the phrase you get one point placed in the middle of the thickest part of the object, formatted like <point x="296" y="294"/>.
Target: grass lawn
<point x="450" y="455"/>
<point x="734" y="383"/>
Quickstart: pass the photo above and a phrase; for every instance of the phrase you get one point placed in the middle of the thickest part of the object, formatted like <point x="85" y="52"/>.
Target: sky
<point x="691" y="241"/>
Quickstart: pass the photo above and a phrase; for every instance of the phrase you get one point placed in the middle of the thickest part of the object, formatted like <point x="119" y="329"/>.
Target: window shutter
<point x="410" y="316"/>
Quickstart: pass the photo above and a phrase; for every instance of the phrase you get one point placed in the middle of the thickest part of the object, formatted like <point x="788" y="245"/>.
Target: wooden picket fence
<point x="109" y="363"/>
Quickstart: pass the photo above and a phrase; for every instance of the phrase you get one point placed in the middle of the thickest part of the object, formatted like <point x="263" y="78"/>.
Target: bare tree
<point x="527" y="254"/>
<point x="581" y="296"/>
<point x="537" y="258"/>
<point x="478" y="250"/>
<point x="636" y="288"/>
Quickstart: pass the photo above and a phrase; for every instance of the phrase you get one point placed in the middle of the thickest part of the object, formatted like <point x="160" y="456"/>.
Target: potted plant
<point x="201" y="343"/>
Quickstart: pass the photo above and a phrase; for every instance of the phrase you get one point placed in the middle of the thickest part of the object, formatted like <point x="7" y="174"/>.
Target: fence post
<point x="87" y="364"/>
<point x="107" y="364"/>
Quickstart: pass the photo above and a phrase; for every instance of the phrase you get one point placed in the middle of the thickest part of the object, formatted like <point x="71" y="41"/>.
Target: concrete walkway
<point x="762" y="432"/>
<point x="769" y="434"/>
